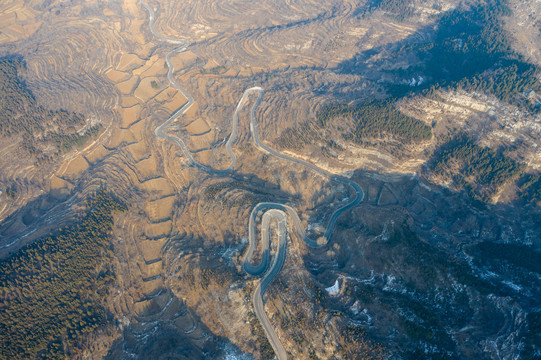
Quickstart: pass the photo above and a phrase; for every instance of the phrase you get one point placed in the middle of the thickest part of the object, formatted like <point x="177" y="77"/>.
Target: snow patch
<point x="355" y="308"/>
<point x="333" y="290"/>
<point x="233" y="353"/>
<point x="512" y="285"/>
<point x="414" y="81"/>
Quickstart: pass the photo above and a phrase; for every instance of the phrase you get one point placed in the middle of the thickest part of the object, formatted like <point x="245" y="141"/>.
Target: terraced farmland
<point x="199" y="112"/>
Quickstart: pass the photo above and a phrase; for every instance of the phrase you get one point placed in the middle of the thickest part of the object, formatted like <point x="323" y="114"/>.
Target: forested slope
<point x="20" y="114"/>
<point x="51" y="291"/>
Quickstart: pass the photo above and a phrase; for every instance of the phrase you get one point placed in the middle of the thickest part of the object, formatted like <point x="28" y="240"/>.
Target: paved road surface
<point x="275" y="211"/>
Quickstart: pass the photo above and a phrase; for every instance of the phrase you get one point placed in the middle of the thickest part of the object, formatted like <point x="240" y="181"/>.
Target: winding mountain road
<point x="282" y="209"/>
<point x="159" y="131"/>
<point x="272" y="211"/>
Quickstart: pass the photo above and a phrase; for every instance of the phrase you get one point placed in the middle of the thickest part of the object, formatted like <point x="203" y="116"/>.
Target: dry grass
<point x="177" y="101"/>
<point x="147" y="65"/>
<point x="160" y="209"/>
<point x="131" y="7"/>
<point x="231" y="73"/>
<point x="129" y="61"/>
<point x="171" y="99"/>
<point x="76" y="167"/>
<point x="127" y="86"/>
<point x="120" y="136"/>
<point x="147" y="167"/>
<point x="145" y="91"/>
<point x="198" y="142"/>
<point x="99" y="152"/>
<point x="198" y="127"/>
<point x="183" y="59"/>
<point x="128" y="101"/>
<point x="192" y="112"/>
<point x="135" y="28"/>
<point x="150" y="270"/>
<point x="17" y="21"/>
<point x="157" y="230"/>
<point x="138" y="130"/>
<point x="161" y="187"/>
<point x="157" y="68"/>
<point x="204" y="156"/>
<point x="138" y="150"/>
<point x="129" y="115"/>
<point x="211" y="64"/>
<point x="58" y="183"/>
<point x="117" y="76"/>
<point x="165" y="95"/>
<point x="152" y="249"/>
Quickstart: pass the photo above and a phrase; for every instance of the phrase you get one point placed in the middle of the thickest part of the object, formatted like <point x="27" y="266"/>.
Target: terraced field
<point x="191" y="98"/>
<point x="103" y="61"/>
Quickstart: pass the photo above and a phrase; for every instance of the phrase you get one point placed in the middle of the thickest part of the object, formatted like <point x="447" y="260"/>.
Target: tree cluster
<point x="471" y="50"/>
<point x="51" y="290"/>
<point x="265" y="347"/>
<point x="19" y="111"/>
<point x="533" y="336"/>
<point x="399" y="9"/>
<point x="512" y="77"/>
<point x="469" y="41"/>
<point x="296" y="138"/>
<point x="430" y="263"/>
<point x="66" y="142"/>
<point x="355" y="344"/>
<point x="516" y="254"/>
<point x="20" y="114"/>
<point x="376" y="119"/>
<point x="530" y="188"/>
<point x="470" y="164"/>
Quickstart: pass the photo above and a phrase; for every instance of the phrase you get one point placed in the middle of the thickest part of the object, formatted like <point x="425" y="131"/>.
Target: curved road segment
<point x="273" y="211"/>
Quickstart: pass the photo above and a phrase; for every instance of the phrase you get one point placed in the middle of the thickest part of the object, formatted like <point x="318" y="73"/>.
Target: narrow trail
<point x="272" y="211"/>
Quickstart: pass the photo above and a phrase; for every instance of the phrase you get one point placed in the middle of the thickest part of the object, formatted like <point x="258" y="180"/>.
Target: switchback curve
<point x="276" y="211"/>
